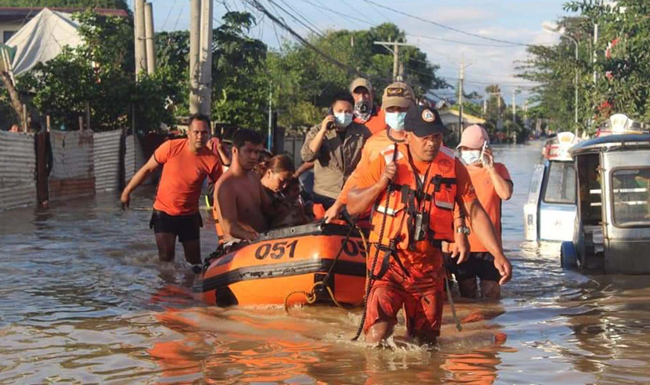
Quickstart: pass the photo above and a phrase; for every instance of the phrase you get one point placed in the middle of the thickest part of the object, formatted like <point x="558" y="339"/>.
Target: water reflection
<point x="84" y="300"/>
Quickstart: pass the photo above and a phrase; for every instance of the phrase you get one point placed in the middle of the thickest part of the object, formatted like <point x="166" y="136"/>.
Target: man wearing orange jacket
<point x="414" y="197"/>
<point x="397" y="99"/>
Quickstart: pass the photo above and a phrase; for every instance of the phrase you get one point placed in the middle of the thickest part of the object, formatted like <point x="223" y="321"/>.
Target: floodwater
<point x="83" y="300"/>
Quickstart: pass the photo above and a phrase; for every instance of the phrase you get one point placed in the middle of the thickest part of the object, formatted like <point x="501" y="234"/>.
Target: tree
<point x="111" y="4"/>
<point x="98" y="74"/>
<point x="623" y="65"/>
<point x="304" y="83"/>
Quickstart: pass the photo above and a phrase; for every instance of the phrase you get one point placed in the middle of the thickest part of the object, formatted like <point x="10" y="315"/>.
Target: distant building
<point x="13" y="18"/>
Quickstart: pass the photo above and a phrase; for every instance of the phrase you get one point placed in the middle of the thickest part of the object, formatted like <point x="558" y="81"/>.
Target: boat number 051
<point x="278" y="250"/>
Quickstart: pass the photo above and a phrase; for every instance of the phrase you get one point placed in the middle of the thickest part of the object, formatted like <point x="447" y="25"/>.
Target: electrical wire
<point x="444" y="26"/>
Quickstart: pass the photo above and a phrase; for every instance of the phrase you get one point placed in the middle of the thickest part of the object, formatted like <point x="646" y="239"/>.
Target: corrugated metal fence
<point x="17" y="170"/>
<point x="292" y="145"/>
<point x="133" y="157"/>
<point x="106" y="159"/>
<point x="74" y="167"/>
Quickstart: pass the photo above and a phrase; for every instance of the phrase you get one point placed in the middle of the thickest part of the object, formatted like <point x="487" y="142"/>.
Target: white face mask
<point x="470" y="156"/>
<point x="395" y="120"/>
<point x="343" y="119"/>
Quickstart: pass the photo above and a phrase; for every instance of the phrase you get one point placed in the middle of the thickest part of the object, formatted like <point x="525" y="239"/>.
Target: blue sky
<point x="490" y="62"/>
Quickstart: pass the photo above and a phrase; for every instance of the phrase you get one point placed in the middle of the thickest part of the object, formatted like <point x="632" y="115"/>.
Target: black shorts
<point x="187" y="227"/>
<point x="477" y="265"/>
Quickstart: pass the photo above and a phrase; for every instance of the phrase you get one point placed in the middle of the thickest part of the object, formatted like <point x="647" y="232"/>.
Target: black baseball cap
<point x="423" y="121"/>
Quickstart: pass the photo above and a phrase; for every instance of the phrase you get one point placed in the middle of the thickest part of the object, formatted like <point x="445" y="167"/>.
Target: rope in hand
<point x="371" y="272"/>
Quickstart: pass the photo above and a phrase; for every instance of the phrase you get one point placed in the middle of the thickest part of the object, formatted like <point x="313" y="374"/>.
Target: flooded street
<point x="83" y="299"/>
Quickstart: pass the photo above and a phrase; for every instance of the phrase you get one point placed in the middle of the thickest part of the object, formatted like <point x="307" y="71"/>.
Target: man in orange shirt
<point x="186" y="163"/>
<point x="414" y="197"/>
<point x="397" y="99"/>
<point x="365" y="111"/>
<point x="493" y="184"/>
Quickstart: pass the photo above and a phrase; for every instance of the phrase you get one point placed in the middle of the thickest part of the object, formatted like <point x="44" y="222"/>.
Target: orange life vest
<point x="405" y="202"/>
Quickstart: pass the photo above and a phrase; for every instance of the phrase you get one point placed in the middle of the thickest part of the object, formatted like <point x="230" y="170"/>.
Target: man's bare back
<point x="239" y="205"/>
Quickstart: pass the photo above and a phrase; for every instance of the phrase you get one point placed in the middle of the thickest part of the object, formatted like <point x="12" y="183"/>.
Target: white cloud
<point x="463" y="15"/>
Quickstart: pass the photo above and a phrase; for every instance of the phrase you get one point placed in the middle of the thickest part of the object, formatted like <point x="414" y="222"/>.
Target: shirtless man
<point x="241" y="201"/>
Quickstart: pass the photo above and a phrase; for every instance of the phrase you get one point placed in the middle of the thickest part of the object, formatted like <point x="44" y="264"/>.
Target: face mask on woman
<point x="343" y="119"/>
<point x="395" y="120"/>
<point x="471" y="156"/>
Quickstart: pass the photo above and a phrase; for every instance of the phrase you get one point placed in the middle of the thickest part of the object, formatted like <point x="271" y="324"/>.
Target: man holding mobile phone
<point x="493" y="184"/>
<point x="334" y="146"/>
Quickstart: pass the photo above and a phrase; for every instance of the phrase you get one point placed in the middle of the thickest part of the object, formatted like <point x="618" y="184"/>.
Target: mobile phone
<point x="330" y="125"/>
<point x="484" y="159"/>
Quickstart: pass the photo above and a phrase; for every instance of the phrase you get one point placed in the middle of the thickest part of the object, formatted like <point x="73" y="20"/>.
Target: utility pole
<point x="460" y="95"/>
<point x="485" y="105"/>
<point x="514" y="111"/>
<point x="201" y="56"/>
<point x="395" y="50"/>
<point x="205" y="57"/>
<point x="149" y="36"/>
<point x="595" y="52"/>
<point x="195" y="41"/>
<point x="269" y="140"/>
<point x="139" y="39"/>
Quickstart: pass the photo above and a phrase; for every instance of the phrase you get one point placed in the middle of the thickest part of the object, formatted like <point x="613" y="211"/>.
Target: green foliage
<point x="97" y="74"/>
<point x="113" y="4"/>
<point x="304" y="83"/>
<point x="239" y="85"/>
<point x="623" y="83"/>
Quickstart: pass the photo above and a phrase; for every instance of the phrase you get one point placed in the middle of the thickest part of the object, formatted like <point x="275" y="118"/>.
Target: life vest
<point x="405" y="202"/>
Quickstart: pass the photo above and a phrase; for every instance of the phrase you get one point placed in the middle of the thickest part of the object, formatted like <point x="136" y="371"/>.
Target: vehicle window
<point x="631" y="196"/>
<point x="561" y="183"/>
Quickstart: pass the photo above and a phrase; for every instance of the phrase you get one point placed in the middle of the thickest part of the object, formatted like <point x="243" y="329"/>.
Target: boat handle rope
<point x="311" y="295"/>
<point x="370" y="274"/>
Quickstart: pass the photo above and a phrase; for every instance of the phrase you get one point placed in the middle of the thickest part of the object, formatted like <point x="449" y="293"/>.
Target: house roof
<point x="21" y="14"/>
<point x="451" y="116"/>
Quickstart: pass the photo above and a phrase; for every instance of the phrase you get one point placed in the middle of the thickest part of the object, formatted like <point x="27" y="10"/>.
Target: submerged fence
<point x="69" y="164"/>
<point x="17" y="169"/>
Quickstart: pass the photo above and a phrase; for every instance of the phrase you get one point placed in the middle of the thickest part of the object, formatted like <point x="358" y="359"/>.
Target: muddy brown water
<point x="83" y="300"/>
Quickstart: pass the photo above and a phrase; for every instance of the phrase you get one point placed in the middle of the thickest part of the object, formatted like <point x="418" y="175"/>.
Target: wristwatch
<point x="463" y="230"/>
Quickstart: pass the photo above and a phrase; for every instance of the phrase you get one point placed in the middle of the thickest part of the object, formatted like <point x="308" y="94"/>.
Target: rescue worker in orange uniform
<point x="397" y="99"/>
<point x="493" y="184"/>
<point x="365" y="112"/>
<point x="414" y="197"/>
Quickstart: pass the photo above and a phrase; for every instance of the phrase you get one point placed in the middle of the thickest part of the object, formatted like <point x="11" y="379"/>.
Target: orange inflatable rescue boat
<point x="286" y="261"/>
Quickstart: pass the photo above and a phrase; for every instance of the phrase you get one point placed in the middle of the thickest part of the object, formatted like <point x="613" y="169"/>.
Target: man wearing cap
<point x="334" y="146"/>
<point x="493" y="184"/>
<point x="414" y="197"/>
<point x="365" y="111"/>
<point x="397" y="99"/>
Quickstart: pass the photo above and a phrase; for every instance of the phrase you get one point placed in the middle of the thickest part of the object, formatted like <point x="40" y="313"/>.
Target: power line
<point x="168" y="14"/>
<point x="261" y="8"/>
<point x="444" y="26"/>
<point x="300" y="15"/>
<point x="357" y="11"/>
<point x="296" y="19"/>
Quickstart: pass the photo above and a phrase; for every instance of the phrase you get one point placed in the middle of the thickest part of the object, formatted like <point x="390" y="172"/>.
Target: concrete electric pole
<point x="195" y="41"/>
<point x="461" y="80"/>
<point x="139" y="39"/>
<point x="201" y="56"/>
<point x="395" y="51"/>
<point x="149" y="36"/>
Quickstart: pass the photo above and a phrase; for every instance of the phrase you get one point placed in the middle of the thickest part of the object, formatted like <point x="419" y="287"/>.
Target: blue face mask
<point x="395" y="120"/>
<point x="343" y="119"/>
